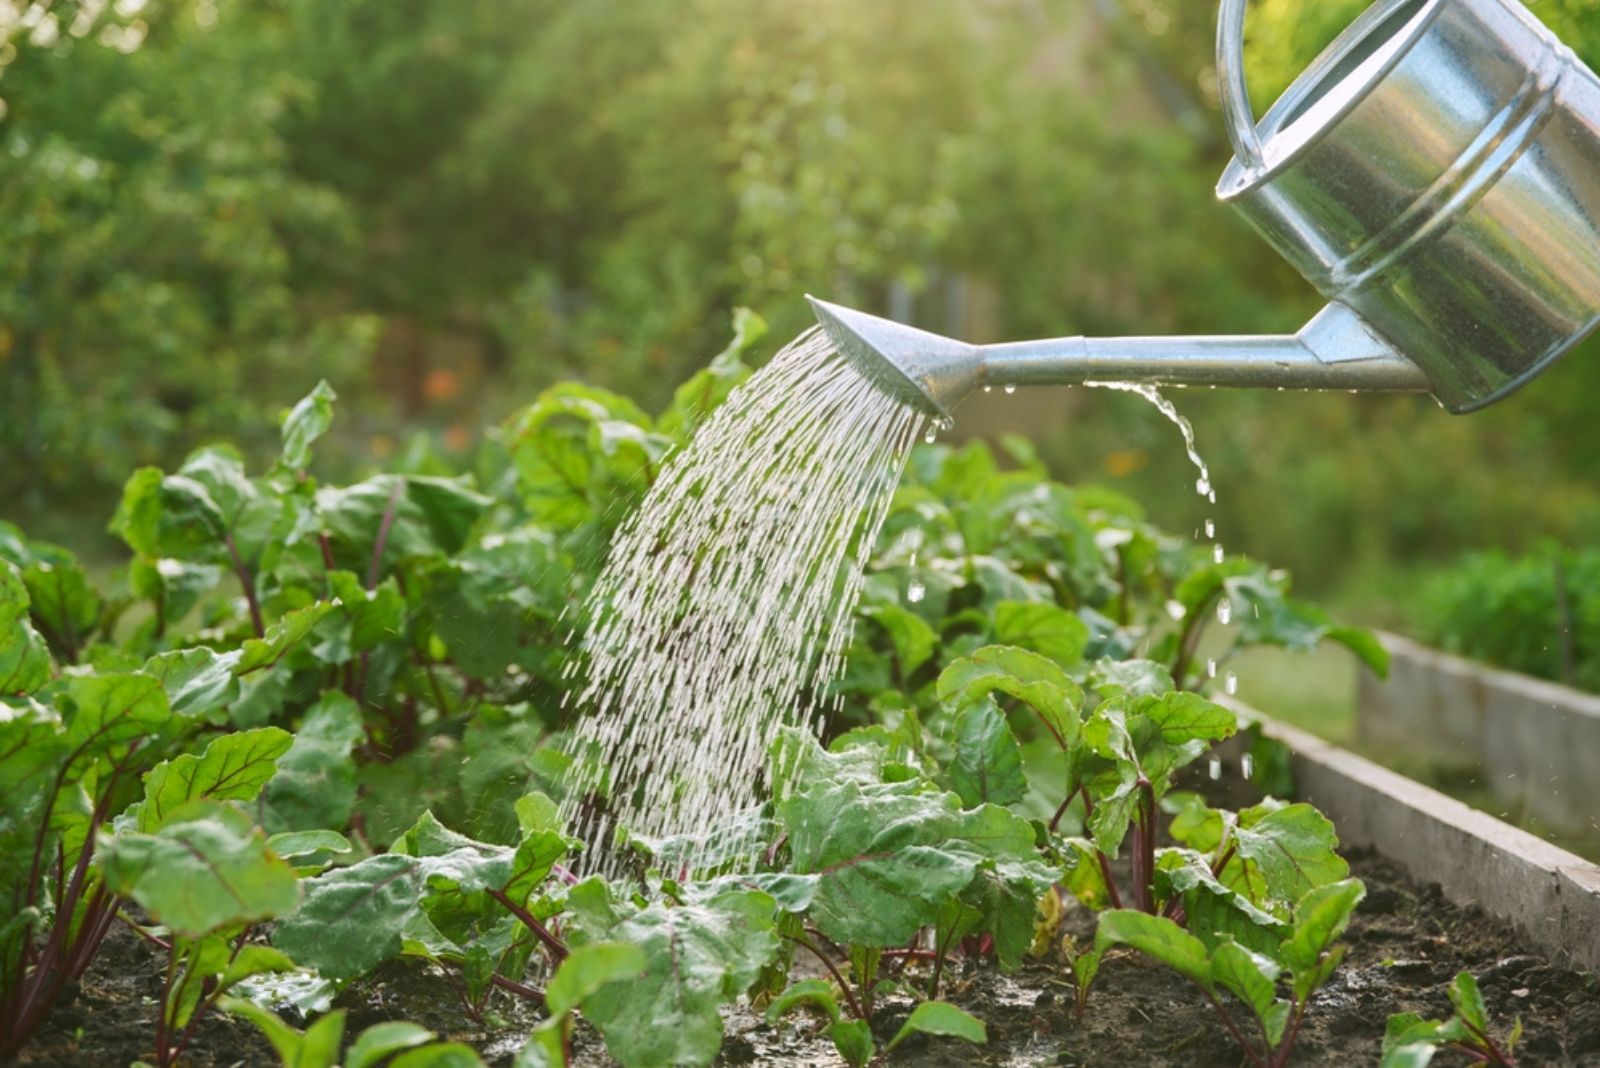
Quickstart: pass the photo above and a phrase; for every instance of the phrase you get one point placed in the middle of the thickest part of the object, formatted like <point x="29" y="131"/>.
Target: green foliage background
<point x="441" y="208"/>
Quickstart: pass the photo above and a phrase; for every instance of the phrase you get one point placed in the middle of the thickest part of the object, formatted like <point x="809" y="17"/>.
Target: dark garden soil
<point x="1406" y="944"/>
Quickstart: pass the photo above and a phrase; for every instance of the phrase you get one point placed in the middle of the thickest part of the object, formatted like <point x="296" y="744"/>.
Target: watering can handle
<point x="1236" y="110"/>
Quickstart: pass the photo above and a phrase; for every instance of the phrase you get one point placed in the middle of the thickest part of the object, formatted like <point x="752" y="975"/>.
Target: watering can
<point x="1435" y="174"/>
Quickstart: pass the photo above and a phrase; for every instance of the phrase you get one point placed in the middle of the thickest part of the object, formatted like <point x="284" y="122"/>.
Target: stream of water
<point x="727" y="600"/>
<point x="1203" y="486"/>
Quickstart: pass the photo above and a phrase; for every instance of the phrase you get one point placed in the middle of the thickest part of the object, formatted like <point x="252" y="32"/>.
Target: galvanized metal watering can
<point x="1435" y="174"/>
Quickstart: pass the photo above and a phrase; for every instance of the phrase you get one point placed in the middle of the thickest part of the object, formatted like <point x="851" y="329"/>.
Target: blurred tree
<point x="147" y="218"/>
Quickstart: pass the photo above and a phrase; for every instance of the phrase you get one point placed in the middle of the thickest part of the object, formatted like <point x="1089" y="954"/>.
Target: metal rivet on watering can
<point x="1435" y="174"/>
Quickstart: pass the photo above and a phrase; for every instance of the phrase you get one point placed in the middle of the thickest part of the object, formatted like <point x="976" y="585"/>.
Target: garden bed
<point x="1448" y="890"/>
<point x="1407" y="942"/>
<point x="1529" y="742"/>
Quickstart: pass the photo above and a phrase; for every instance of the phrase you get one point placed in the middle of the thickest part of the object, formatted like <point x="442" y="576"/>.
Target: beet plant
<point x="315" y="730"/>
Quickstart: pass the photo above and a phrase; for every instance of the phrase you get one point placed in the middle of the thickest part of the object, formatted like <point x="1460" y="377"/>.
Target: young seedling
<point x="1411" y="1041"/>
<point x="1305" y="959"/>
<point x="410" y="1045"/>
<point x="853" y="1038"/>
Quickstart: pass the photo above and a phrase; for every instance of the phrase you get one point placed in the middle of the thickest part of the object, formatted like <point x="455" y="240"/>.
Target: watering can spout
<point x="1336" y="350"/>
<point x="1433" y="175"/>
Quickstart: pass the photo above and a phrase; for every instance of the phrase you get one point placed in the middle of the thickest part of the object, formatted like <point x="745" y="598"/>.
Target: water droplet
<point x="1012" y="388"/>
<point x="1216" y="553"/>
<point x="1175" y="610"/>
<point x="1211" y="528"/>
<point x="1202" y="486"/>
<point x="1230" y="683"/>
<point x="988" y="389"/>
<point x="1247" y="765"/>
<point x="1224" y="611"/>
<point x="1211" y="667"/>
<point x="1214" y="768"/>
<point x="916" y="591"/>
<point x="932" y="435"/>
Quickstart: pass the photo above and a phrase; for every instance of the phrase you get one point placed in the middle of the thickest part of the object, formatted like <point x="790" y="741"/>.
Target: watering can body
<point x="1435" y="174"/>
<point x="1437" y="171"/>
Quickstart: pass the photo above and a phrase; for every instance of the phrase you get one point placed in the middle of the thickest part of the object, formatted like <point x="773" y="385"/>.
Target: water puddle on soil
<point x="727" y="600"/>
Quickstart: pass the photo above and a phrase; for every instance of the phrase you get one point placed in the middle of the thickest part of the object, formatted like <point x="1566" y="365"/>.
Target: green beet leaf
<point x="370" y="617"/>
<point x="1252" y="978"/>
<point x="384" y="1040"/>
<point x="233" y="767"/>
<point x="292" y="845"/>
<point x="315" y="785"/>
<point x="987" y="767"/>
<point x="1037" y="682"/>
<point x="316" y="1047"/>
<point x="853" y="1040"/>
<point x="1158" y="937"/>
<point x="209" y="871"/>
<point x="282" y="636"/>
<point x="439" y="1055"/>
<point x="1282" y="853"/>
<point x="24" y="660"/>
<point x="697" y="958"/>
<point x="1468" y="1000"/>
<point x="303" y="424"/>
<point x="107" y="714"/>
<point x="817" y="993"/>
<point x="173" y="587"/>
<point x="913" y="639"/>
<point x="1046" y="629"/>
<point x="353" y="919"/>
<point x="1321" y="916"/>
<point x="64" y="607"/>
<point x="587" y="969"/>
<point x="200" y="682"/>
<point x="940" y="1018"/>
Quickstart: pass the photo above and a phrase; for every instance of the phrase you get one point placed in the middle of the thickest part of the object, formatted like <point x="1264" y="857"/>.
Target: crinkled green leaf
<point x="697" y="957"/>
<point x="210" y="871"/>
<point x="1030" y="678"/>
<point x="1282" y="853"/>
<point x="987" y="766"/>
<point x="587" y="969"/>
<point x="199" y="682"/>
<point x="352" y="919"/>
<point x="315" y="785"/>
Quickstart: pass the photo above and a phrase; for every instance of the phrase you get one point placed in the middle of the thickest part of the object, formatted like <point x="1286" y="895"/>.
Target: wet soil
<point x="1406" y="944"/>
